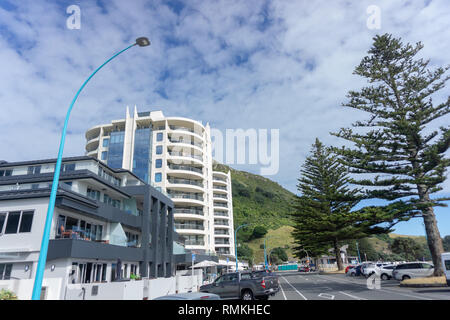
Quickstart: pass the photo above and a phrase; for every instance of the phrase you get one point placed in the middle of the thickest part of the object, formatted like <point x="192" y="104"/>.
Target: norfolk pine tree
<point x="323" y="213"/>
<point x="398" y="146"/>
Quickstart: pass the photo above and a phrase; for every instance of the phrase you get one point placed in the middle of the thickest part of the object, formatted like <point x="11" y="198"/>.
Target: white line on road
<point x="352" y="296"/>
<point x="282" y="291"/>
<point x="383" y="290"/>
<point x="326" y="296"/>
<point x="294" y="288"/>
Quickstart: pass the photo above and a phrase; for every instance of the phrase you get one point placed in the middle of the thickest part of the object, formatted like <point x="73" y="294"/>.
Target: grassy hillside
<point x="281" y="237"/>
<point x="258" y="199"/>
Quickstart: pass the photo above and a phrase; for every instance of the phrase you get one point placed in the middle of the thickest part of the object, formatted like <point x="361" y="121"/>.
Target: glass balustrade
<point x="186" y="181"/>
<point x="186" y="168"/>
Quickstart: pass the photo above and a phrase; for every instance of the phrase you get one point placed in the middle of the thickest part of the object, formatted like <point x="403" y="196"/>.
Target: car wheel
<point x="406" y="277"/>
<point x="384" y="276"/>
<point x="247" y="295"/>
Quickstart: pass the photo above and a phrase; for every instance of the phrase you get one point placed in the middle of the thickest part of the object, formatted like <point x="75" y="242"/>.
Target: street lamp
<point x="235" y="242"/>
<point x="142" y="42"/>
<point x="265" y="255"/>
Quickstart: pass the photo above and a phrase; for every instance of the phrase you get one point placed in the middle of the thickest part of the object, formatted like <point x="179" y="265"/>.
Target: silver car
<point x="412" y="270"/>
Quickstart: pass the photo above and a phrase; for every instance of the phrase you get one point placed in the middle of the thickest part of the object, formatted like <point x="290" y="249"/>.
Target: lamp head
<point x="143" y="41"/>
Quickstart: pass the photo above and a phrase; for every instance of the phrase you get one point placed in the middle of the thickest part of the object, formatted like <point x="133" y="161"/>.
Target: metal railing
<point x="194" y="243"/>
<point x="221" y="223"/>
<point x="189" y="226"/>
<point x="219" y="179"/>
<point x="186" y="168"/>
<point x="215" y="195"/>
<point x="193" y="196"/>
<point x="220" y="187"/>
<point x="188" y="211"/>
<point x="223" y="205"/>
<point x="193" y="143"/>
<point x="186" y="181"/>
<point x="220" y="213"/>
<point x="221" y="232"/>
<point x="183" y="154"/>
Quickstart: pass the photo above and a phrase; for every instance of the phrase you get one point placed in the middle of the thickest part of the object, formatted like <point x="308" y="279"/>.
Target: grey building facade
<point x="107" y="224"/>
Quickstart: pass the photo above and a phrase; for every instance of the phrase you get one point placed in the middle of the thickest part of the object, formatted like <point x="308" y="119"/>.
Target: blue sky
<point x="236" y="64"/>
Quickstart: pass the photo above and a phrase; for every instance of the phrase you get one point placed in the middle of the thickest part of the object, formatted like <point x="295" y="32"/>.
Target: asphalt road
<point x="303" y="286"/>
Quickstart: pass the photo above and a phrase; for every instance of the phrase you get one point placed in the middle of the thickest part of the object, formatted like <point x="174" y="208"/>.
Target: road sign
<point x="228" y="259"/>
<point x="193" y="257"/>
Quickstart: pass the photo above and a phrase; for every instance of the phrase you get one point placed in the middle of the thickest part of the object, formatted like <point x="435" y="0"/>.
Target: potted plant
<point x="7" y="295"/>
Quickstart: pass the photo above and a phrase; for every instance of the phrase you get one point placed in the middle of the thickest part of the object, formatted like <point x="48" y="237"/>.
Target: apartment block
<point x="174" y="155"/>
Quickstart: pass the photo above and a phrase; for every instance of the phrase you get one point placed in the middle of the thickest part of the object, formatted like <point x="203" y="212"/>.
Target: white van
<point x="446" y="262"/>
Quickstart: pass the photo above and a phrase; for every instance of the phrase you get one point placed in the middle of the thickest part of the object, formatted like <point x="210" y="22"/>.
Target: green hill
<point x="257" y="199"/>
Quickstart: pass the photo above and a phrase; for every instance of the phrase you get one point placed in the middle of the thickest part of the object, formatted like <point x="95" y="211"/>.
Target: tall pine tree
<point x="323" y="212"/>
<point x="399" y="149"/>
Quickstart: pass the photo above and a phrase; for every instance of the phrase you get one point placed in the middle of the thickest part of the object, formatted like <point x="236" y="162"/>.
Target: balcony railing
<point x="184" y="154"/>
<point x="194" y="243"/>
<point x="188" y="211"/>
<point x="189" y="226"/>
<point x="220" y="187"/>
<point x="186" y="168"/>
<point x="221" y="223"/>
<point x="181" y="128"/>
<point x="221" y="232"/>
<point x="222" y="242"/>
<point x="193" y="196"/>
<point x="223" y="205"/>
<point x="215" y="195"/>
<point x="219" y="179"/>
<point x="221" y="214"/>
<point x="186" y="181"/>
<point x="197" y="144"/>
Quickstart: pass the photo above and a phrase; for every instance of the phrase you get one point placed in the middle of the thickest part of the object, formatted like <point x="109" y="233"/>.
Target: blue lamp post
<point x="142" y="42"/>
<point x="265" y="255"/>
<point x="235" y="243"/>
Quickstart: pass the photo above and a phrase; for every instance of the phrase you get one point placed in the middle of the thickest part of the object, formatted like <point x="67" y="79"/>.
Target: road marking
<point x="326" y="296"/>
<point x="384" y="290"/>
<point x="294" y="288"/>
<point x="282" y="291"/>
<point x="352" y="296"/>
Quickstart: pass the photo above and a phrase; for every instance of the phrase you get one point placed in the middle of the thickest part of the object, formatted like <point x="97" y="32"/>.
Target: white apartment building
<point x="173" y="154"/>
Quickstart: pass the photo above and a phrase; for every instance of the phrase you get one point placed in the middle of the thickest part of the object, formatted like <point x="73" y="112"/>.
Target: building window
<point x="68" y="167"/>
<point x="158" y="177"/>
<point x="34" y="169"/>
<point x="158" y="163"/>
<point x="5" y="173"/>
<point x="159" y="136"/>
<point x="104" y="155"/>
<point x="105" y="142"/>
<point x="16" y="221"/>
<point x="93" y="194"/>
<point x="5" y="271"/>
<point x="158" y="149"/>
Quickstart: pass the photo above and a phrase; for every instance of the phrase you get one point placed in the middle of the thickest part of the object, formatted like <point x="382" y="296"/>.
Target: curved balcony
<point x="92" y="144"/>
<point x="92" y="153"/>
<point x="185" y="130"/>
<point x="93" y="132"/>
<point x="221" y="214"/>
<point x="194" y="243"/>
<point x="186" y="156"/>
<point x="221" y="223"/>
<point x="189" y="228"/>
<point x="177" y="184"/>
<point x="187" y="144"/>
<point x="220" y="205"/>
<point x="189" y="211"/>
<point x="220" y="197"/>
<point x="181" y="171"/>
<point x="220" y="189"/>
<point x="186" y="198"/>
<point x="219" y="182"/>
<point x="221" y="233"/>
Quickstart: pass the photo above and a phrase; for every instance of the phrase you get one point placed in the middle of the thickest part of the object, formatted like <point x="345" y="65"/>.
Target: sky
<point x="255" y="64"/>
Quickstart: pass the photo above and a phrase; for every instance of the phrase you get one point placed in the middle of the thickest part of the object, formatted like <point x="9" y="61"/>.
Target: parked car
<point x="244" y="285"/>
<point x="412" y="270"/>
<point x="355" y="272"/>
<point x="303" y="269"/>
<point x="190" y="296"/>
<point x="348" y="268"/>
<point x="386" y="271"/>
<point x="367" y="268"/>
<point x="446" y="263"/>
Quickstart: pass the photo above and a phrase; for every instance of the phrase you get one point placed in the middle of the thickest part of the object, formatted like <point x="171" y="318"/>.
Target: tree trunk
<point x="434" y="239"/>
<point x="337" y="253"/>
